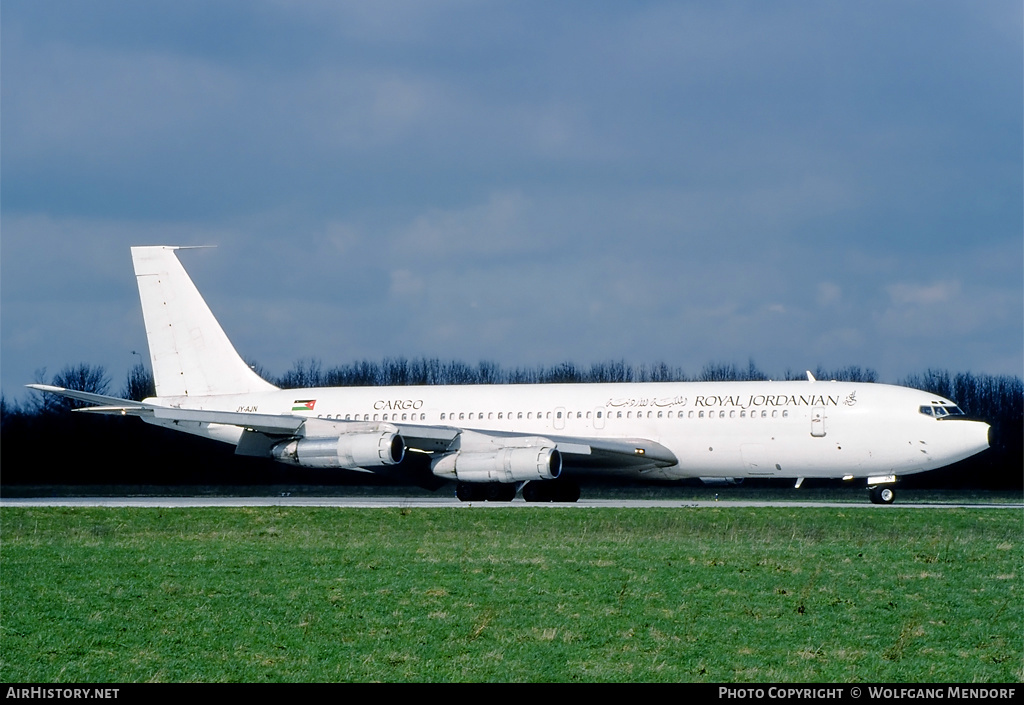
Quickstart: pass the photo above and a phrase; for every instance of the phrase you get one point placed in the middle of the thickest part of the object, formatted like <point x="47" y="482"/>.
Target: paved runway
<point x="434" y="502"/>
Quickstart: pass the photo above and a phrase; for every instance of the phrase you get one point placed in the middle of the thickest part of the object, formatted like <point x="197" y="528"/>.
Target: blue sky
<point x="796" y="183"/>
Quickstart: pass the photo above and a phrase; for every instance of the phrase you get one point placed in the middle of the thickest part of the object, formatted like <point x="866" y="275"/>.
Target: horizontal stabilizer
<point x="89" y="397"/>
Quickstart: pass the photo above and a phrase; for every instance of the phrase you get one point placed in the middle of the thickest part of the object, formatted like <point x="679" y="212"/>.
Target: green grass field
<point x="511" y="594"/>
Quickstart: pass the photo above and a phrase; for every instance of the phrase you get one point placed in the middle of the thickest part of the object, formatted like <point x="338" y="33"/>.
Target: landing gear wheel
<point x="485" y="492"/>
<point x="467" y="492"/>
<point x="881" y="494"/>
<point x="500" y="492"/>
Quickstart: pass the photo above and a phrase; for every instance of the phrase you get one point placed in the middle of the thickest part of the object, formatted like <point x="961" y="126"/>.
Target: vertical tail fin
<point x="190" y="352"/>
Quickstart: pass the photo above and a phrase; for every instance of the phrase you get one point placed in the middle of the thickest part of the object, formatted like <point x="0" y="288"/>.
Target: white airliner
<point x="495" y="440"/>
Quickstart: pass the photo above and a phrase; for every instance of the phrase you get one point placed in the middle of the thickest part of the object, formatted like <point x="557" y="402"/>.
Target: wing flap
<point x="264" y="423"/>
<point x="636" y="453"/>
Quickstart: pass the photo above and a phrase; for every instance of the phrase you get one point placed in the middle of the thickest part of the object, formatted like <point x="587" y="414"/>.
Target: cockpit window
<point x="941" y="410"/>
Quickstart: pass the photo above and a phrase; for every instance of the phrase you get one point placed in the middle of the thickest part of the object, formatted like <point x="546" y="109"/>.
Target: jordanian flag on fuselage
<point x="303" y="404"/>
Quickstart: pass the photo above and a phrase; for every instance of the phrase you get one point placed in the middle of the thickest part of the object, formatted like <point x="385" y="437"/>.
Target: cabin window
<point x="519" y="415"/>
<point x="462" y="415"/>
<point x="599" y="414"/>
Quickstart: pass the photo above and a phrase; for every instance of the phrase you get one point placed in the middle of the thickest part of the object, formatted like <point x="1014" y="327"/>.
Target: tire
<point x="882" y="494"/>
<point x="466" y="492"/>
<point x="500" y="492"/>
<point x="485" y="492"/>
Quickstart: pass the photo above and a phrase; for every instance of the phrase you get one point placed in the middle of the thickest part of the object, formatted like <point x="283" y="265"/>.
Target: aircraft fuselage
<point x="713" y="429"/>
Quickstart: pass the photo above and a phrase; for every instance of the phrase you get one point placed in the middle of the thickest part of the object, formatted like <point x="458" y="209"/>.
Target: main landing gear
<point x="536" y="491"/>
<point x="551" y="491"/>
<point x="485" y="491"/>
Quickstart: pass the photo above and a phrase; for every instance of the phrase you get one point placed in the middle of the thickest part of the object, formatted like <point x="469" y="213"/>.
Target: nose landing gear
<point x="881" y="494"/>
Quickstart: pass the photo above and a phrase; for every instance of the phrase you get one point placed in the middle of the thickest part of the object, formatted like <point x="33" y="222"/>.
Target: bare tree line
<point x="977" y="394"/>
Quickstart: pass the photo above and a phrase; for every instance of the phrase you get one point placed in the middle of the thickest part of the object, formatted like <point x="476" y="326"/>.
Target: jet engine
<point x="509" y="464"/>
<point x="349" y="450"/>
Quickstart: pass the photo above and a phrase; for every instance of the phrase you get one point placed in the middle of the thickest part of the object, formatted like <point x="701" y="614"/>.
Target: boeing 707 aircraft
<point x="496" y="440"/>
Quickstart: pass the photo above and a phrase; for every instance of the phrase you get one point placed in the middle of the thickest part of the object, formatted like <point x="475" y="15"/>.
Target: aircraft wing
<point x="581" y="452"/>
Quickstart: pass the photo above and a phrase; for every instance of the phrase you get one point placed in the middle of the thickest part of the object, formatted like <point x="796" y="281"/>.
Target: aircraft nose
<point x="984" y="435"/>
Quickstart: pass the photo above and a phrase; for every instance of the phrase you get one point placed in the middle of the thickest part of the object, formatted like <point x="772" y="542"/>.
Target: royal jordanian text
<point x="738" y="401"/>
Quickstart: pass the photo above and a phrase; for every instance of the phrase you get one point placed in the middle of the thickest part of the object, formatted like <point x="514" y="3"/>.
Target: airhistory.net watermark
<point x="41" y="693"/>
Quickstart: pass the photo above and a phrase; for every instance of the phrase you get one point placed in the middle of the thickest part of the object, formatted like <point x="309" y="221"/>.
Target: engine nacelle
<point x="502" y="465"/>
<point x="349" y="450"/>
